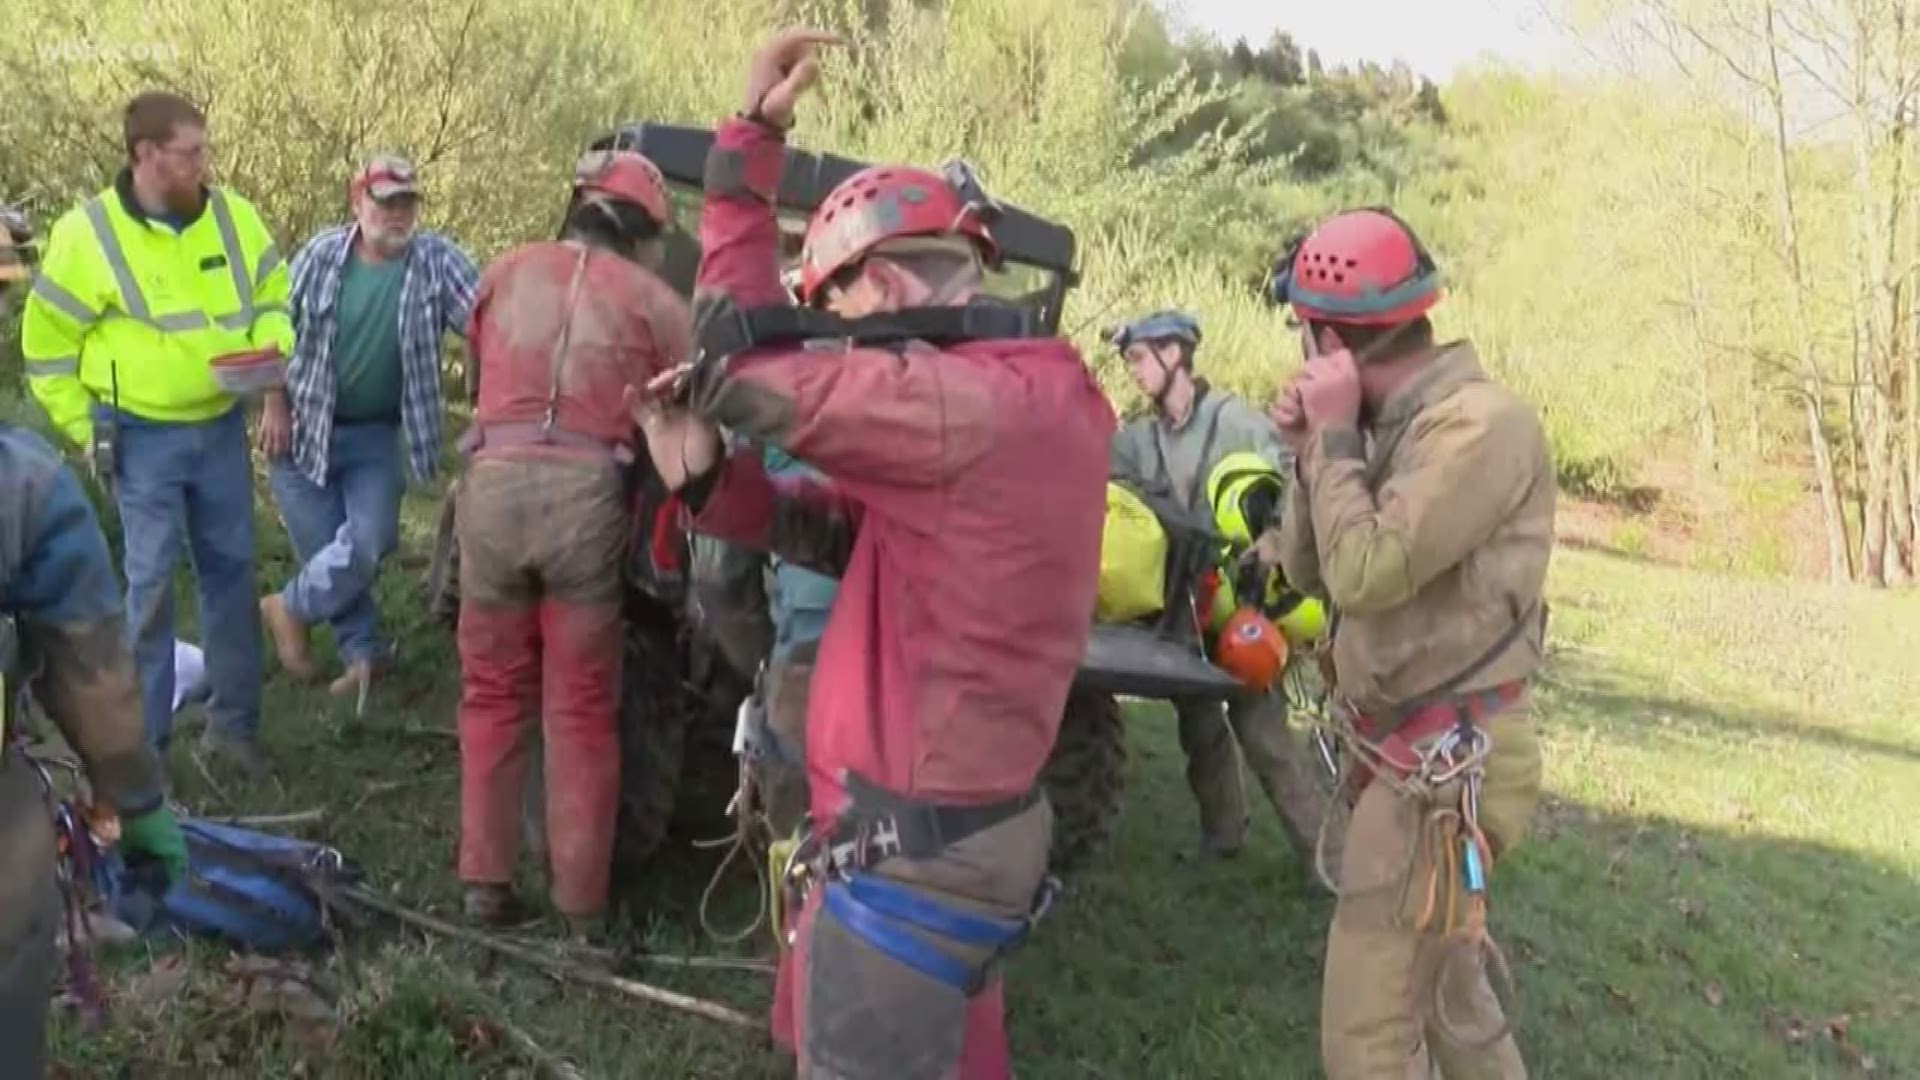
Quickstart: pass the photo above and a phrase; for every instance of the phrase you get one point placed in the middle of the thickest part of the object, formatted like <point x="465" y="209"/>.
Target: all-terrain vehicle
<point x="696" y="611"/>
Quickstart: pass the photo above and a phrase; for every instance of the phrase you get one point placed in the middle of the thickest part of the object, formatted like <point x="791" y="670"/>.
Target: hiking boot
<point x="492" y="904"/>
<point x="586" y="929"/>
<point x="242" y="750"/>
<point x="289" y="637"/>
<point x="1210" y="849"/>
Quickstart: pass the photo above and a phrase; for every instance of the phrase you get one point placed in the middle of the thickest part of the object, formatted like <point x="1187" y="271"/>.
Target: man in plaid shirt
<point x="370" y="301"/>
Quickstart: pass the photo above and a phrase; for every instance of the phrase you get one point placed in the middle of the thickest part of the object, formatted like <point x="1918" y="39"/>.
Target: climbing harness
<point x="81" y="833"/>
<point x="753" y="742"/>
<point x="1432" y="772"/>
<point x="892" y="917"/>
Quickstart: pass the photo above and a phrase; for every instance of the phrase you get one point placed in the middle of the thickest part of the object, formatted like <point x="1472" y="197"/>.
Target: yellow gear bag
<point x="1133" y="559"/>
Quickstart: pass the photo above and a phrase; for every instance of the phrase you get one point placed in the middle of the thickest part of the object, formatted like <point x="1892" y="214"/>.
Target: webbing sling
<point x="726" y="329"/>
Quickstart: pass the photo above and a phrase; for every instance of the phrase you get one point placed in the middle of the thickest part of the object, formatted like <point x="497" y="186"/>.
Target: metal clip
<point x="1470" y="869"/>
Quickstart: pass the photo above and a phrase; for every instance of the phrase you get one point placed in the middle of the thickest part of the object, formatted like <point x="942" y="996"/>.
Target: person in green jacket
<point x="1172" y="450"/>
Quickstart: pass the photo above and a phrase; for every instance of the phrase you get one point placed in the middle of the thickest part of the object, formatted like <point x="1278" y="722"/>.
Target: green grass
<point x="1725" y="861"/>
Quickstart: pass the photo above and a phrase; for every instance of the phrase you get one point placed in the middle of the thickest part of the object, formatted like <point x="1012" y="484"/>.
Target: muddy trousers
<point x="29" y="919"/>
<point x="1279" y="757"/>
<point x="853" y="1012"/>
<point x="540" y="635"/>
<point x="1378" y="999"/>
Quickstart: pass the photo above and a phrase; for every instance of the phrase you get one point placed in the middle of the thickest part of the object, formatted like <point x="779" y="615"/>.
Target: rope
<point x="1467" y="944"/>
<point x="745" y="818"/>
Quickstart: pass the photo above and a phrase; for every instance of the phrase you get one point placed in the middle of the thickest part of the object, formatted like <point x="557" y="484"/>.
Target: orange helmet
<point x="1251" y="649"/>
<point x="626" y="175"/>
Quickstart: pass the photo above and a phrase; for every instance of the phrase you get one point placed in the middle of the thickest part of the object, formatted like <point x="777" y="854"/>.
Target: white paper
<point x="189" y="672"/>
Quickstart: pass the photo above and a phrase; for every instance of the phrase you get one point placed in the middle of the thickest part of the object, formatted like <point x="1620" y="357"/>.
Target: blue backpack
<point x="253" y="890"/>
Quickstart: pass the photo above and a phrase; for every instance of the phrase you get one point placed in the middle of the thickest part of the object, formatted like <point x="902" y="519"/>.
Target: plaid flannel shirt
<point x="436" y="297"/>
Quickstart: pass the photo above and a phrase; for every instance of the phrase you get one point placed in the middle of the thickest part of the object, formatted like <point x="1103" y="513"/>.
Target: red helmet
<point x="1361" y="267"/>
<point x="888" y="202"/>
<point x="626" y="175"/>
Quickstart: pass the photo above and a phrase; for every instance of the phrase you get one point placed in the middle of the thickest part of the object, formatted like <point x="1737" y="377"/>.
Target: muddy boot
<point x="1212" y="849"/>
<point x="289" y="637"/>
<point x="493" y="905"/>
<point x="243" y="752"/>
<point x="588" y="930"/>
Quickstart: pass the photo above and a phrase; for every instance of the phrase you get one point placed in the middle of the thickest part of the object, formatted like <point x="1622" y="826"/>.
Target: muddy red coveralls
<point x="963" y="514"/>
<point x="560" y="329"/>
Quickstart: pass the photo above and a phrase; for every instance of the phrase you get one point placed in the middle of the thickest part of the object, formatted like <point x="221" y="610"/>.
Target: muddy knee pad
<point x="870" y="1016"/>
<point x="29" y="917"/>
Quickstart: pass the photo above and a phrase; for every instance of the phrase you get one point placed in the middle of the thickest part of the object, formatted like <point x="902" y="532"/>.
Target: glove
<point x="156" y="835"/>
<point x="1265" y="552"/>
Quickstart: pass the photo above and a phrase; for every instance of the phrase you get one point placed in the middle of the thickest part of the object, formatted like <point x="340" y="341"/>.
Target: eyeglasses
<point x="197" y="153"/>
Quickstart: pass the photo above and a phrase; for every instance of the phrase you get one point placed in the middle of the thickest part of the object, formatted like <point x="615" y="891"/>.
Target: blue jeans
<point x="342" y="531"/>
<point x="194" y="483"/>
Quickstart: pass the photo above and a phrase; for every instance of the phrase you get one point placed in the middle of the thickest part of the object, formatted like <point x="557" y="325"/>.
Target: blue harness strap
<point x="879" y="911"/>
<point x="878" y="931"/>
<point x="907" y="906"/>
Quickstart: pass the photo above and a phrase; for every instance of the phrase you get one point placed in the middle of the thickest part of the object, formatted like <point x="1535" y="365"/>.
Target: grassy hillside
<point x="1724" y="881"/>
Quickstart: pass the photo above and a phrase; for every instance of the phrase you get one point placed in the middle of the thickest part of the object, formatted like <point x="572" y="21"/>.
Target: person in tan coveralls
<point x="1424" y="513"/>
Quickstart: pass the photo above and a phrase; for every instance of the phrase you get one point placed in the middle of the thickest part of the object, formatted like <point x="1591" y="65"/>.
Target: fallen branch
<point x="552" y="965"/>
<point x="722" y="963"/>
<point x="212" y="784"/>
<point x="302" y="818"/>
<point x="382" y="787"/>
<point x="717" y="963"/>
<point x="546" y="1062"/>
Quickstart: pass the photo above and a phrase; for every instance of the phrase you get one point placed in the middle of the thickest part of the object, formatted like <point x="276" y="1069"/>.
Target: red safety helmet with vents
<point x="626" y="175"/>
<point x="1360" y="267"/>
<point x="892" y="202"/>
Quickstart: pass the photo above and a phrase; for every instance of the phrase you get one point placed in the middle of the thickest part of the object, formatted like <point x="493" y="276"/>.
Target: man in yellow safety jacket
<point x="141" y="288"/>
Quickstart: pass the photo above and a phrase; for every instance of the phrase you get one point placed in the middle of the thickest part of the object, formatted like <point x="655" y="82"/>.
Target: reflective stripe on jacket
<point x="123" y="299"/>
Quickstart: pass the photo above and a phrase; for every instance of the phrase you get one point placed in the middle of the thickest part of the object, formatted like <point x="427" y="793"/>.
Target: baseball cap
<point x="16" y="245"/>
<point x="387" y="175"/>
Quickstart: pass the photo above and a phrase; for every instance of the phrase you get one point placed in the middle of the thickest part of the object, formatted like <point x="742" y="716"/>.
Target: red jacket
<point x="628" y="324"/>
<point x="963" y="515"/>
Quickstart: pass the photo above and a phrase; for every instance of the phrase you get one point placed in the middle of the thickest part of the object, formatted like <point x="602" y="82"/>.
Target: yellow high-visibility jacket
<point x="126" y="312"/>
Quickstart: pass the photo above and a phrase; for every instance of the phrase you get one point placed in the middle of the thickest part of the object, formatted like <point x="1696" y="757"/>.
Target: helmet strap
<point x="1159" y="399"/>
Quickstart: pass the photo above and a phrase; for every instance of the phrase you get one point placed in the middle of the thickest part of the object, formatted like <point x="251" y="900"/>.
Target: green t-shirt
<point x="366" y="340"/>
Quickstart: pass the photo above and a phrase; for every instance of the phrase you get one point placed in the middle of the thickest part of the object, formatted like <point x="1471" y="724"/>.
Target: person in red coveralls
<point x="962" y="511"/>
<point x="560" y="329"/>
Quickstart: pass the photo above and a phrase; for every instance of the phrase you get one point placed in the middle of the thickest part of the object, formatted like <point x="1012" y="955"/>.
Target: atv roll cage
<point x="1160" y="658"/>
<point x="1037" y="255"/>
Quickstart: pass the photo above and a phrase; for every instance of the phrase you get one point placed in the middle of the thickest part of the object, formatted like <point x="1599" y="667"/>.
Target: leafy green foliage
<point x="1610" y="243"/>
